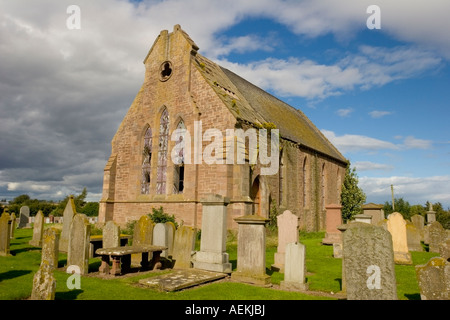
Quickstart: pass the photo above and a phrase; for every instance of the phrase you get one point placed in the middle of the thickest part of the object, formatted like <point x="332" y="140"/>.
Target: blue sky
<point x="381" y="96"/>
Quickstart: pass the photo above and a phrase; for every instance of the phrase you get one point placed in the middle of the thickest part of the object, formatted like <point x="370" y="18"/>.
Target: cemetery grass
<point x="323" y="275"/>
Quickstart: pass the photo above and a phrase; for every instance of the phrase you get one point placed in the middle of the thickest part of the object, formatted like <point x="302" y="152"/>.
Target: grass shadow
<point x="68" y="295"/>
<point x="413" y="296"/>
<point x="17" y="251"/>
<point x="13" y="274"/>
<point x="340" y="282"/>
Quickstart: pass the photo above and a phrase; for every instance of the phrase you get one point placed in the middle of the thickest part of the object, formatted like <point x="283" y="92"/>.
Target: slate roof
<point x="252" y="104"/>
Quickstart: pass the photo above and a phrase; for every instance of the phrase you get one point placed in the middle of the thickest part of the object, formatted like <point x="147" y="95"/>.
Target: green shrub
<point x="159" y="216"/>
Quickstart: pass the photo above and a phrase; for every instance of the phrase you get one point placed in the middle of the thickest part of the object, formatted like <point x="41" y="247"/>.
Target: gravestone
<point x="374" y="210"/>
<point x="333" y="219"/>
<point x="183" y="247"/>
<point x="251" y="251"/>
<point x="68" y="215"/>
<point x="24" y="216"/>
<point x="444" y="249"/>
<point x="434" y="279"/>
<point x="365" y="218"/>
<point x="5" y="227"/>
<point x="79" y="244"/>
<point x="143" y="231"/>
<point x="170" y="237"/>
<point x="436" y="235"/>
<point x="413" y="237"/>
<point x="44" y="283"/>
<point x="212" y="255"/>
<point x="160" y="237"/>
<point x="368" y="263"/>
<point x="396" y="225"/>
<point x="431" y="215"/>
<point x="50" y="247"/>
<point x="13" y="225"/>
<point x="287" y="224"/>
<point x="111" y="235"/>
<point x="419" y="222"/>
<point x="294" y="268"/>
<point x="38" y="230"/>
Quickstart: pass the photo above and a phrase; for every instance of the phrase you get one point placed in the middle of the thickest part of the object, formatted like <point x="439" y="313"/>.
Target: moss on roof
<point x="252" y="104"/>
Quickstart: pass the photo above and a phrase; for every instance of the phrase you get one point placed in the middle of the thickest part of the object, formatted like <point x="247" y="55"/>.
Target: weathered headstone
<point x="78" y="249"/>
<point x="287" y="224"/>
<point x="368" y="263"/>
<point x="23" y="217"/>
<point x="143" y="231"/>
<point x="111" y="235"/>
<point x="436" y="235"/>
<point x="333" y="219"/>
<point x="44" y="283"/>
<point x="212" y="255"/>
<point x="68" y="215"/>
<point x="413" y="236"/>
<point x="160" y="237"/>
<point x="251" y="251"/>
<point x="396" y="225"/>
<point x="5" y="227"/>
<point x="434" y="279"/>
<point x="50" y="247"/>
<point x="13" y="225"/>
<point x="444" y="249"/>
<point x="183" y="247"/>
<point x="419" y="222"/>
<point x="295" y="268"/>
<point x="38" y="230"/>
<point x="170" y="237"/>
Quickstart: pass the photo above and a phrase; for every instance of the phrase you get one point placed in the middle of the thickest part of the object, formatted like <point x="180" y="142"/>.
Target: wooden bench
<point x="121" y="258"/>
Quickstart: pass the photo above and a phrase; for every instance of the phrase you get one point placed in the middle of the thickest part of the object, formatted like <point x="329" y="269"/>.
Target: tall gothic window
<point x="323" y="187"/>
<point x="146" y="163"/>
<point x="281" y="178"/>
<point x="178" y="174"/>
<point x="304" y="183"/>
<point x="162" y="153"/>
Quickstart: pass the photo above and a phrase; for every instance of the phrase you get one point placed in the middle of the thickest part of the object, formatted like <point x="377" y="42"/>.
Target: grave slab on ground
<point x="181" y="279"/>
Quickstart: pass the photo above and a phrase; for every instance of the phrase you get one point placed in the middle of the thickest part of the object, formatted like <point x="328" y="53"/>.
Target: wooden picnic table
<point x="121" y="258"/>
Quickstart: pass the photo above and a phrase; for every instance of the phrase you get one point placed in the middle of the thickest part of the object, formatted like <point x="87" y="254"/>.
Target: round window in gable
<point x="165" y="71"/>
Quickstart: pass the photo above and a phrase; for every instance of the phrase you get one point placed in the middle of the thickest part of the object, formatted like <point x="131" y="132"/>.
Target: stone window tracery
<point x="146" y="163"/>
<point x="162" y="153"/>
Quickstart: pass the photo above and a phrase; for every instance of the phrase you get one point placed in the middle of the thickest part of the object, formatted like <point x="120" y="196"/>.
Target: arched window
<point x="178" y="174"/>
<point x="162" y="152"/>
<point x="304" y="189"/>
<point x="146" y="163"/>
<point x="281" y="177"/>
<point x="323" y="187"/>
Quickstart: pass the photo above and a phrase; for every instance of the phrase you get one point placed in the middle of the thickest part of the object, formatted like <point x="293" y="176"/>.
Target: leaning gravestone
<point x="294" y="268"/>
<point x="50" y="247"/>
<point x="142" y="235"/>
<point x="444" y="249"/>
<point x="368" y="263"/>
<point x="437" y="235"/>
<point x="183" y="247"/>
<point x="68" y="215"/>
<point x="396" y="225"/>
<point x="23" y="217"/>
<point x="78" y="253"/>
<point x="5" y="227"/>
<point x="419" y="222"/>
<point x="434" y="279"/>
<point x="38" y="230"/>
<point x="44" y="283"/>
<point x="287" y="224"/>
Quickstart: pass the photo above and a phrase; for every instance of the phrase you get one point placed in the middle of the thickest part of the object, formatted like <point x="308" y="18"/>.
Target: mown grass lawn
<point x="323" y="276"/>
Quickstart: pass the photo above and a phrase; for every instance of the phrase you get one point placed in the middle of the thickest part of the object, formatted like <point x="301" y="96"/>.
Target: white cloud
<point x="356" y="143"/>
<point x="344" y="112"/>
<point x="415" y="190"/>
<point x="412" y="143"/>
<point x="376" y="114"/>
<point x="369" y="166"/>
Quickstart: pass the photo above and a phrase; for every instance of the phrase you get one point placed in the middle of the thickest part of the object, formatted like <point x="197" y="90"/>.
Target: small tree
<point x="352" y="197"/>
<point x="159" y="216"/>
